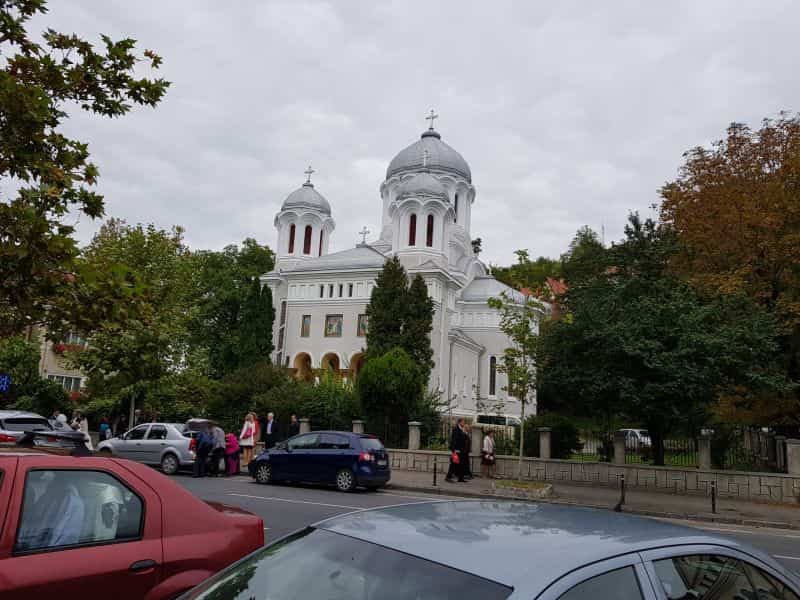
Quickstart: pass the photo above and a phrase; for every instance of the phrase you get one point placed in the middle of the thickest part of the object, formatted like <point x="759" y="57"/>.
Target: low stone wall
<point x="765" y="487"/>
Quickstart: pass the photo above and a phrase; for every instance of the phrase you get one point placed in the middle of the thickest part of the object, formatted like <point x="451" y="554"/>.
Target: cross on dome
<point x="364" y="233"/>
<point x="430" y="118"/>
<point x="425" y="156"/>
<point x="309" y="172"/>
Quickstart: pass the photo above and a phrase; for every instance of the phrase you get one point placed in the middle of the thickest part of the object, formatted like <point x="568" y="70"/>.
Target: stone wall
<point x="765" y="487"/>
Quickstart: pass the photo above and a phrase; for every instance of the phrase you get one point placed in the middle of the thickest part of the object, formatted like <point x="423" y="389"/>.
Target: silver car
<point x="163" y="444"/>
<point x="14" y="423"/>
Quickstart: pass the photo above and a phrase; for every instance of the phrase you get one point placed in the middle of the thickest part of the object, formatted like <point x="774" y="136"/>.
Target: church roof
<point x="307" y="197"/>
<point x="422" y="184"/>
<point x="360" y="257"/>
<point x="484" y="287"/>
<point x="440" y="157"/>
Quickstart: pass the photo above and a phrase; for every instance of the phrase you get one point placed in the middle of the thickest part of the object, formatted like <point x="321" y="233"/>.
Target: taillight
<point x="192" y="444"/>
<point x="7" y="438"/>
<point x="366" y="457"/>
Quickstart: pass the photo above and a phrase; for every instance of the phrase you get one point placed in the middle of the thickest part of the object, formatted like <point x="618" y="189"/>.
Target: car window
<point x="620" y="584"/>
<point x="331" y="441"/>
<point x="137" y="433"/>
<point x="304" y="442"/>
<point x="709" y="576"/>
<point x="321" y="564"/>
<point x="157" y="432"/>
<point x="64" y="508"/>
<point x="25" y="424"/>
<point x="371" y="443"/>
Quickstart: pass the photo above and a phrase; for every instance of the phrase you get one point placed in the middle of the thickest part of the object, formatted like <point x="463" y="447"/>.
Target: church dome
<point x="440" y="157"/>
<point x="307" y="197"/>
<point x="421" y="184"/>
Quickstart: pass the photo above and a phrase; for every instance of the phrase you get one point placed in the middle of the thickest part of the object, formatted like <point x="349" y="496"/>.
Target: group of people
<point x="460" y="447"/>
<point x="59" y="422"/>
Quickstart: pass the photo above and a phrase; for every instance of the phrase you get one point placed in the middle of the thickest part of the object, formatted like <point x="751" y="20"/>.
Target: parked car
<point x="506" y="420"/>
<point x="74" y="527"/>
<point x="165" y="444"/>
<point x="494" y="550"/>
<point x="342" y="458"/>
<point x="636" y="438"/>
<point x="14" y="424"/>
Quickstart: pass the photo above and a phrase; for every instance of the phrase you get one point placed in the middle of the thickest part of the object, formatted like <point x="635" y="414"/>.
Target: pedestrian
<point x="456" y="448"/>
<point x="53" y="420"/>
<point x="217" y="451"/>
<point x="232" y="452"/>
<point x="465" y="463"/>
<point x="294" y="427"/>
<point x="61" y="422"/>
<point x="204" y="443"/>
<point x="104" y="429"/>
<point x="487" y="455"/>
<point x="270" y="431"/>
<point x="247" y="438"/>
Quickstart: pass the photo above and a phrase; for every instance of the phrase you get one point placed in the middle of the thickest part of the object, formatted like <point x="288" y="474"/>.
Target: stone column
<point x="780" y="453"/>
<point x="477" y="440"/>
<point x="358" y="426"/>
<point x="704" y="452"/>
<point x="793" y="456"/>
<point x="544" y="442"/>
<point x="619" y="448"/>
<point x="413" y="435"/>
<point x="305" y="425"/>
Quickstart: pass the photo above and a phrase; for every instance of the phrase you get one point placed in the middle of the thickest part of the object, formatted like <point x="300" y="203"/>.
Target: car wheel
<point x="105" y="451"/>
<point x="345" y="481"/>
<point x="170" y="464"/>
<point x="264" y="473"/>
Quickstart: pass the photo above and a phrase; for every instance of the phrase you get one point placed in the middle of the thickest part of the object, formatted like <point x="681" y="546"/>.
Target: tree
<point x="641" y="344"/>
<point x="390" y="387"/>
<point x="584" y="258"/>
<point x="519" y="321"/>
<point x="527" y="273"/>
<point x="736" y="208"/>
<point x="55" y="176"/>
<point x="255" y="325"/>
<point x="19" y="359"/>
<point x="386" y="309"/>
<point x="417" y="326"/>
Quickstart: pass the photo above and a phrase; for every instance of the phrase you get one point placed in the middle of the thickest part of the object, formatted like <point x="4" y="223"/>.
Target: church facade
<point x="320" y="298"/>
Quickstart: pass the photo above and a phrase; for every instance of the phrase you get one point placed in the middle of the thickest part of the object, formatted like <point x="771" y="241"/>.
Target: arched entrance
<point x="331" y="362"/>
<point x="302" y="366"/>
<point x="356" y="362"/>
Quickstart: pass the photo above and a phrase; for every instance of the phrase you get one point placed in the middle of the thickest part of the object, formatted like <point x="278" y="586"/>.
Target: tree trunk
<point x="521" y="438"/>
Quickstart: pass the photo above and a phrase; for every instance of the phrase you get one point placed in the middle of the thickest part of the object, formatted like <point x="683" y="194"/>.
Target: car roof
<point x="347" y="433"/>
<point x="8" y="414"/>
<point x="523" y="545"/>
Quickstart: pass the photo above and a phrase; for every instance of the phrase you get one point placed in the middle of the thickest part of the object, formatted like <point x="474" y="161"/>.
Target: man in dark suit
<point x="457" y="442"/>
<point x="294" y="426"/>
<point x="270" y="432"/>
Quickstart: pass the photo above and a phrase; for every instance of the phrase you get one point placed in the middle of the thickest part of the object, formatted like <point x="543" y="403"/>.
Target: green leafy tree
<point x="19" y="358"/>
<point x="386" y="309"/>
<point x="50" y="174"/>
<point x="417" y="326"/>
<point x="527" y="273"/>
<point x="255" y="325"/>
<point x="390" y="387"/>
<point x="584" y="258"/>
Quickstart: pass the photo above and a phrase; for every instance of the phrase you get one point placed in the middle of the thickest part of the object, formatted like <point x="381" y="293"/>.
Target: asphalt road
<point x="286" y="508"/>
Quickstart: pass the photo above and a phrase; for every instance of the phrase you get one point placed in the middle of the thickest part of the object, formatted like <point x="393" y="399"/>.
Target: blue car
<point x="342" y="458"/>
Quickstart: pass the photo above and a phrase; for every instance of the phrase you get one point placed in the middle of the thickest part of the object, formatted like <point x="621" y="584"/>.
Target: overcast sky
<point x="569" y="113"/>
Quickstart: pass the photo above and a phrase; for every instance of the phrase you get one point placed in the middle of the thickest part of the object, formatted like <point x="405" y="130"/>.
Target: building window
<point x="349" y="290"/>
<point x="320" y="242"/>
<point x="333" y="325"/>
<point x="321" y="291"/>
<point x="291" y="239"/>
<point x="305" y="326"/>
<point x="412" y="230"/>
<point x="341" y="290"/>
<point x="330" y="290"/>
<point x="363" y="324"/>
<point x="307" y="241"/>
<point x="455" y="205"/>
<point x="71" y="384"/>
<point x="429" y="232"/>
<point x="493" y="376"/>
<point x="73" y="339"/>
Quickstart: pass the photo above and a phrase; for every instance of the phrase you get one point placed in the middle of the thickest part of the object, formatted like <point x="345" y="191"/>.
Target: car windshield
<point x="320" y="564"/>
<point x="25" y="424"/>
<point x="368" y="443"/>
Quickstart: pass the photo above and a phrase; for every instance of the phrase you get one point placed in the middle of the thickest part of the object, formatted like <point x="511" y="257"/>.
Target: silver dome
<point x="422" y="184"/>
<point x="441" y="157"/>
<point x="307" y="197"/>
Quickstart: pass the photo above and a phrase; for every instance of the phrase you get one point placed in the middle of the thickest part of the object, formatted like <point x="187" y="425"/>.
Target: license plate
<point x="381" y="463"/>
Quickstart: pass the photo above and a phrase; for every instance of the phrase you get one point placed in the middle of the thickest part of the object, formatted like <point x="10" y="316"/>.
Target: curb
<point x="438" y="491"/>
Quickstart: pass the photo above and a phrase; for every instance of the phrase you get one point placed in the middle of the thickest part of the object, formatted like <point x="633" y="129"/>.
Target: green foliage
<point x="386" y="309"/>
<point x="37" y="82"/>
<point x="417" y="326"/>
<point x="390" y="387"/>
<point x="564" y="435"/>
<point x="20" y="359"/>
<point x="584" y="258"/>
<point x="257" y="316"/>
<point x="527" y="273"/>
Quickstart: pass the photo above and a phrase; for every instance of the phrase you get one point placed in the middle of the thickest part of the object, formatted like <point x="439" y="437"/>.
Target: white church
<point x="321" y="298"/>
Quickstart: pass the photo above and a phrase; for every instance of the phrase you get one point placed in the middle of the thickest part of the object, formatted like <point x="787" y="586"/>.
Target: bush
<point x="564" y="436"/>
<point x="390" y="387"/>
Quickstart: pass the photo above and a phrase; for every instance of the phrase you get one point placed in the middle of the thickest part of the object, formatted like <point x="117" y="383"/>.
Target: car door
<point x="79" y="525"/>
<point x="130" y="445"/>
<point x="154" y="443"/>
<point x="621" y="578"/>
<point x="334" y="453"/>
<point x="706" y="572"/>
<point x="300" y="457"/>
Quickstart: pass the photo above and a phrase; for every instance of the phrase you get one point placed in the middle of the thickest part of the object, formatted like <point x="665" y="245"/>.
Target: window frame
<point x="292" y="233"/>
<point x="304" y="448"/>
<point x="429" y="230"/>
<point x="145" y="426"/>
<point x="142" y="518"/>
<point x="152" y="427"/>
<point x="307" y="235"/>
<point x="492" y="379"/>
<point x="302" y="324"/>
<point x="412" y="229"/>
<point x="340" y="316"/>
<point x="562" y="585"/>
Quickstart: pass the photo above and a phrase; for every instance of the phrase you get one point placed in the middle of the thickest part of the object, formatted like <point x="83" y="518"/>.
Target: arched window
<point x="320" y="242"/>
<point x="492" y="376"/>
<point x="291" y="239"/>
<point x="429" y="232"/>
<point x="455" y="204"/>
<point x="412" y="230"/>
<point x="307" y="241"/>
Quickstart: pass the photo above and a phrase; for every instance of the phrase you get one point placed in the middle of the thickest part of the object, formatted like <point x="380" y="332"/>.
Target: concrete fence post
<point x="780" y="453"/>
<point x="413" y="435"/>
<point x="477" y="440"/>
<point x="619" y="447"/>
<point x="305" y="425"/>
<point x="545" y="442"/>
<point x="704" y="452"/>
<point x="358" y="426"/>
<point x="793" y="456"/>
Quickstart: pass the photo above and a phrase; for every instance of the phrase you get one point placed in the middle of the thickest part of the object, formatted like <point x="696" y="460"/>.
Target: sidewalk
<point x="654" y="504"/>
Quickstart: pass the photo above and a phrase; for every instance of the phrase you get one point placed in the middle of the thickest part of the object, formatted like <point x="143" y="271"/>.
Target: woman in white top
<point x="487" y="455"/>
<point x="247" y="438"/>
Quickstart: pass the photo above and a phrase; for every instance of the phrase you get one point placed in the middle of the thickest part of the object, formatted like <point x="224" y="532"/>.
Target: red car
<point x="75" y="527"/>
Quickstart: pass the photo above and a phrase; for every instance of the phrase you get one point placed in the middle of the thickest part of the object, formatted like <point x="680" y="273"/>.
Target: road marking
<point x="762" y="531"/>
<point x="786" y="557"/>
<point x="431" y="497"/>
<point x="298" y="501"/>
